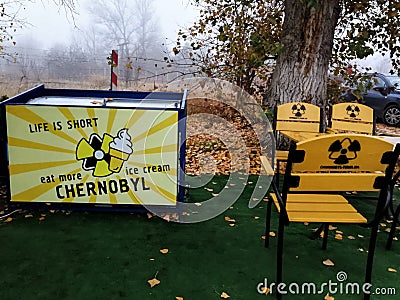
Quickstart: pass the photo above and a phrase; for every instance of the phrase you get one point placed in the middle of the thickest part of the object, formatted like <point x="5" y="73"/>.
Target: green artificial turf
<point x="92" y="255"/>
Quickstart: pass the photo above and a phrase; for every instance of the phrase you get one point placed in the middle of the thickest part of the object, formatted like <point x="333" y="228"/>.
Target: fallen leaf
<point x="339" y="237"/>
<point x="214" y="194"/>
<point x="42" y="218"/>
<point x="149" y="215"/>
<point x="256" y="217"/>
<point x="29" y="216"/>
<point x="360" y="236"/>
<point x="208" y="189"/>
<point x="306" y="223"/>
<point x="327" y="297"/>
<point x="231" y="224"/>
<point x="328" y="262"/>
<point x="382" y="224"/>
<point x="271" y="233"/>
<point x="263" y="237"/>
<point x="178" y="298"/>
<point x="339" y="232"/>
<point x="96" y="102"/>
<point x="350" y="237"/>
<point x="392" y="270"/>
<point x="224" y="295"/>
<point x="265" y="290"/>
<point x="164" y="251"/>
<point x="197" y="204"/>
<point x="8" y="220"/>
<point x="52" y="211"/>
<point x="228" y="219"/>
<point x="153" y="282"/>
<point x="331" y="227"/>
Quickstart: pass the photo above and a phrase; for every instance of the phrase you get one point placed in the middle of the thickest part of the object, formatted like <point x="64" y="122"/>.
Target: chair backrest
<point x="298" y="116"/>
<point x="339" y="162"/>
<point x="355" y="117"/>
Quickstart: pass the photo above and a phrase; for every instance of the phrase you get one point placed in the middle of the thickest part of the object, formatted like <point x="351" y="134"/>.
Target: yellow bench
<point x="318" y="171"/>
<point x="295" y="117"/>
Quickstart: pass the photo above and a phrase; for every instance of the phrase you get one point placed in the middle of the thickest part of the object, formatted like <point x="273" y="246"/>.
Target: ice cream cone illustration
<point x="120" y="149"/>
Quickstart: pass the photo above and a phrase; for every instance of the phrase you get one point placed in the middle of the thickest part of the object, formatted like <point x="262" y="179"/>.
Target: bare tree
<point x="128" y="27"/>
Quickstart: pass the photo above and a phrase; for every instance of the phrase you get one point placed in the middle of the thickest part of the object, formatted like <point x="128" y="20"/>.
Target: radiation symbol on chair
<point x="104" y="155"/>
<point x="341" y="152"/>
<point x="298" y="110"/>
<point x="352" y="111"/>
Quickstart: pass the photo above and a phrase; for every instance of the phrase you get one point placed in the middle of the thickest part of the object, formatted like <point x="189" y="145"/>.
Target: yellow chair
<point x="318" y="171"/>
<point x="295" y="117"/>
<point x="353" y="117"/>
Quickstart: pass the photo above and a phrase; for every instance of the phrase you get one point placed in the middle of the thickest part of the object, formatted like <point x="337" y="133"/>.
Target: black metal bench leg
<point x="325" y="239"/>
<point x="279" y="259"/>
<point x="370" y="258"/>
<point x="268" y="223"/>
<point x="393" y="228"/>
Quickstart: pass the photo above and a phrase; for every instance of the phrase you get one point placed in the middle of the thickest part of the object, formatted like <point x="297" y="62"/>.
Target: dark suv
<point x="382" y="94"/>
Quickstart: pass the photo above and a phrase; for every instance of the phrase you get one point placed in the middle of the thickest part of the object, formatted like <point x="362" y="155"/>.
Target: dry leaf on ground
<point x="164" y="251"/>
<point x="8" y="220"/>
<point x="265" y="290"/>
<point x="153" y="282"/>
<point x="339" y="237"/>
<point x="392" y="270"/>
<point x="328" y="297"/>
<point x="350" y="237"/>
<point x="224" y="295"/>
<point x="328" y="262"/>
<point x="228" y="219"/>
<point x="178" y="298"/>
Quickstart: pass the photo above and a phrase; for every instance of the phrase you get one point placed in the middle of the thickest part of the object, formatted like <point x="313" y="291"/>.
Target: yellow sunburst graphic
<point x="73" y="154"/>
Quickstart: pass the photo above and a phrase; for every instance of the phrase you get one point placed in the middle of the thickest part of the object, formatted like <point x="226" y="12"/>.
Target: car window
<point x="377" y="82"/>
<point x="395" y="80"/>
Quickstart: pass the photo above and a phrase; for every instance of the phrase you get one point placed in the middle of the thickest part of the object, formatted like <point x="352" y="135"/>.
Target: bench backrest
<point x="340" y="162"/>
<point x="298" y="116"/>
<point x="353" y="117"/>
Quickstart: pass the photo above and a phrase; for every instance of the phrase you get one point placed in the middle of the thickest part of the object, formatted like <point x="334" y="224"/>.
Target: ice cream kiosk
<point x="93" y="149"/>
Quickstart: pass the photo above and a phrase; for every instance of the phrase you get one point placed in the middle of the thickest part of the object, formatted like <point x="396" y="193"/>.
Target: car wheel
<point x="391" y="115"/>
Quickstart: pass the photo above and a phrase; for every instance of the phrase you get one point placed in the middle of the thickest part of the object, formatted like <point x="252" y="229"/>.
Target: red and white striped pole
<point x="114" y="64"/>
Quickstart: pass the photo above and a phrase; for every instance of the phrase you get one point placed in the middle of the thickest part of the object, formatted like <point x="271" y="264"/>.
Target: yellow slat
<point x="336" y="182"/>
<point x="324" y="217"/>
<point x="281" y="154"/>
<point x="322" y="207"/>
<point x="349" y="125"/>
<point x="358" y="112"/>
<point x="312" y="198"/>
<point x="307" y="119"/>
<point x="297" y="126"/>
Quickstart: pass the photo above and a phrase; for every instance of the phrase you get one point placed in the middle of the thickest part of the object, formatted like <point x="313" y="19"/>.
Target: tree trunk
<point x="301" y="72"/>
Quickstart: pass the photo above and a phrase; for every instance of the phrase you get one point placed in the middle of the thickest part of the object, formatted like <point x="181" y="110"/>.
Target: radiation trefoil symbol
<point x="298" y="110"/>
<point x="104" y="156"/>
<point x="352" y="111"/>
<point x="341" y="152"/>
